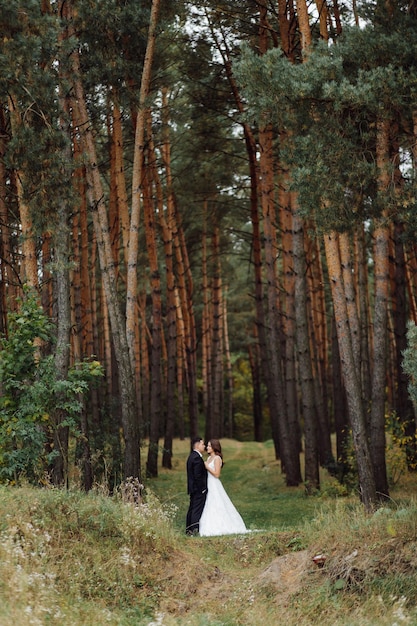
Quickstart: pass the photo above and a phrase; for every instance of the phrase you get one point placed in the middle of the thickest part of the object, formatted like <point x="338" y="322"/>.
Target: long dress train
<point x="220" y="516"/>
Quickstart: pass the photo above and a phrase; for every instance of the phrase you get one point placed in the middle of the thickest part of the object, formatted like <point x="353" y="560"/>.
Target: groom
<point x="196" y="485"/>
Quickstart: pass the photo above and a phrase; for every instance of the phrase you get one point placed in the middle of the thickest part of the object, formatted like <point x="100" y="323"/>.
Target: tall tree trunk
<point x="216" y="338"/>
<point x="288" y="442"/>
<point x="402" y="402"/>
<point x="286" y="200"/>
<point x="6" y="265"/>
<point x="119" y="174"/>
<point x="361" y="270"/>
<point x="255" y="366"/>
<point x="304" y="25"/>
<point x="319" y="348"/>
<point x="180" y="366"/>
<point x="131" y="288"/>
<point x="350" y="374"/>
<point x="156" y="342"/>
<point x="312" y="478"/>
<point x="185" y="290"/>
<point x="229" y="372"/>
<point x="76" y="321"/>
<point x="340" y="410"/>
<point x="29" y="273"/>
<point x="167" y="227"/>
<point x="62" y="286"/>
<point x="206" y="341"/>
<point x="381" y="274"/>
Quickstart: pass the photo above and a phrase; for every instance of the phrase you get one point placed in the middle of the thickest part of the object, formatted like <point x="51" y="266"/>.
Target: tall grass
<point x="67" y="558"/>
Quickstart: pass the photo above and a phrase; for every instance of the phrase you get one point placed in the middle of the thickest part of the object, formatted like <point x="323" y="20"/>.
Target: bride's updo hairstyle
<point x="215" y="444"/>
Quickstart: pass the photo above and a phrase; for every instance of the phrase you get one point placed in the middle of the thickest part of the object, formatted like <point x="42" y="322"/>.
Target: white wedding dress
<point x="220" y="517"/>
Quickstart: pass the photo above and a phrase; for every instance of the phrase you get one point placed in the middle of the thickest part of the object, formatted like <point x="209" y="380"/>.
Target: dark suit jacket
<point x="196" y="473"/>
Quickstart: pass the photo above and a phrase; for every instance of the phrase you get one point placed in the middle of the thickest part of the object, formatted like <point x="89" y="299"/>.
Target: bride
<point x="219" y="517"/>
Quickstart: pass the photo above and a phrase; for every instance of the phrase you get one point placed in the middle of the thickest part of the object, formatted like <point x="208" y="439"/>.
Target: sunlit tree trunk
<point x="29" y="264"/>
<point x="287" y="26"/>
<point x="137" y="179"/>
<point x="304" y="25"/>
<point x="323" y="18"/>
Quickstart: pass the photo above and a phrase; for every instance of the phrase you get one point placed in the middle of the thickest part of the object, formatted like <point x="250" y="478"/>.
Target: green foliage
<point x="32" y="392"/>
<point x="397" y="443"/>
<point x="330" y="105"/>
<point x="410" y="361"/>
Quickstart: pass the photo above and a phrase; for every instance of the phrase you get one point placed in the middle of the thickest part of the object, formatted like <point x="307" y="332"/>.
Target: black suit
<point x="197" y="489"/>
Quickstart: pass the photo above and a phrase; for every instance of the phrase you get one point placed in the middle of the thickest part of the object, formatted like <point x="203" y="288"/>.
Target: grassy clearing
<point x="252" y="478"/>
<point x="67" y="558"/>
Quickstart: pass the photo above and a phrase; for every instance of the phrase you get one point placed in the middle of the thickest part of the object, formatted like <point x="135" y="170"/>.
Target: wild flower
<point x="399" y="612"/>
<point x="126" y="557"/>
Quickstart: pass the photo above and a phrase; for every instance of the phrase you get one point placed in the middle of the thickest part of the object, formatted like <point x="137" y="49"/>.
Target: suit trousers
<point x="195" y="510"/>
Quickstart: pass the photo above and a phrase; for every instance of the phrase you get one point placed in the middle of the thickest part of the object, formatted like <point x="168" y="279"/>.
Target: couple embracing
<point x="211" y="512"/>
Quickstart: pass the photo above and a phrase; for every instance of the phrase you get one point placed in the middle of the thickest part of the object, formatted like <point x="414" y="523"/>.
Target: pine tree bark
<point x="229" y="372"/>
<point x="403" y="405"/>
<point x="255" y="366"/>
<point x="286" y="438"/>
<point x="216" y="338"/>
<point x="185" y="291"/>
<point x="381" y="294"/>
<point x="350" y="374"/>
<point x="361" y="270"/>
<point x="319" y="347"/>
<point x="138" y="161"/>
<point x="29" y="272"/>
<point x="5" y="244"/>
<point x="167" y="228"/>
<point x="206" y="341"/>
<point x="312" y="478"/>
<point x="156" y="330"/>
<point x="286" y="202"/>
<point x="62" y="289"/>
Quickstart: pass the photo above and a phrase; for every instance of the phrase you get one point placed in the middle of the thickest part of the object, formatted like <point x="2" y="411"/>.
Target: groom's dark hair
<point x="195" y="440"/>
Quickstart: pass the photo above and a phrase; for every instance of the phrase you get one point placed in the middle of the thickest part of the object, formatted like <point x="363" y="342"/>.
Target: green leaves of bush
<point x="32" y="392"/>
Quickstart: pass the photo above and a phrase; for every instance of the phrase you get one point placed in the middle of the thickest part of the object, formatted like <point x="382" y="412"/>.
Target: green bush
<point x="32" y="393"/>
